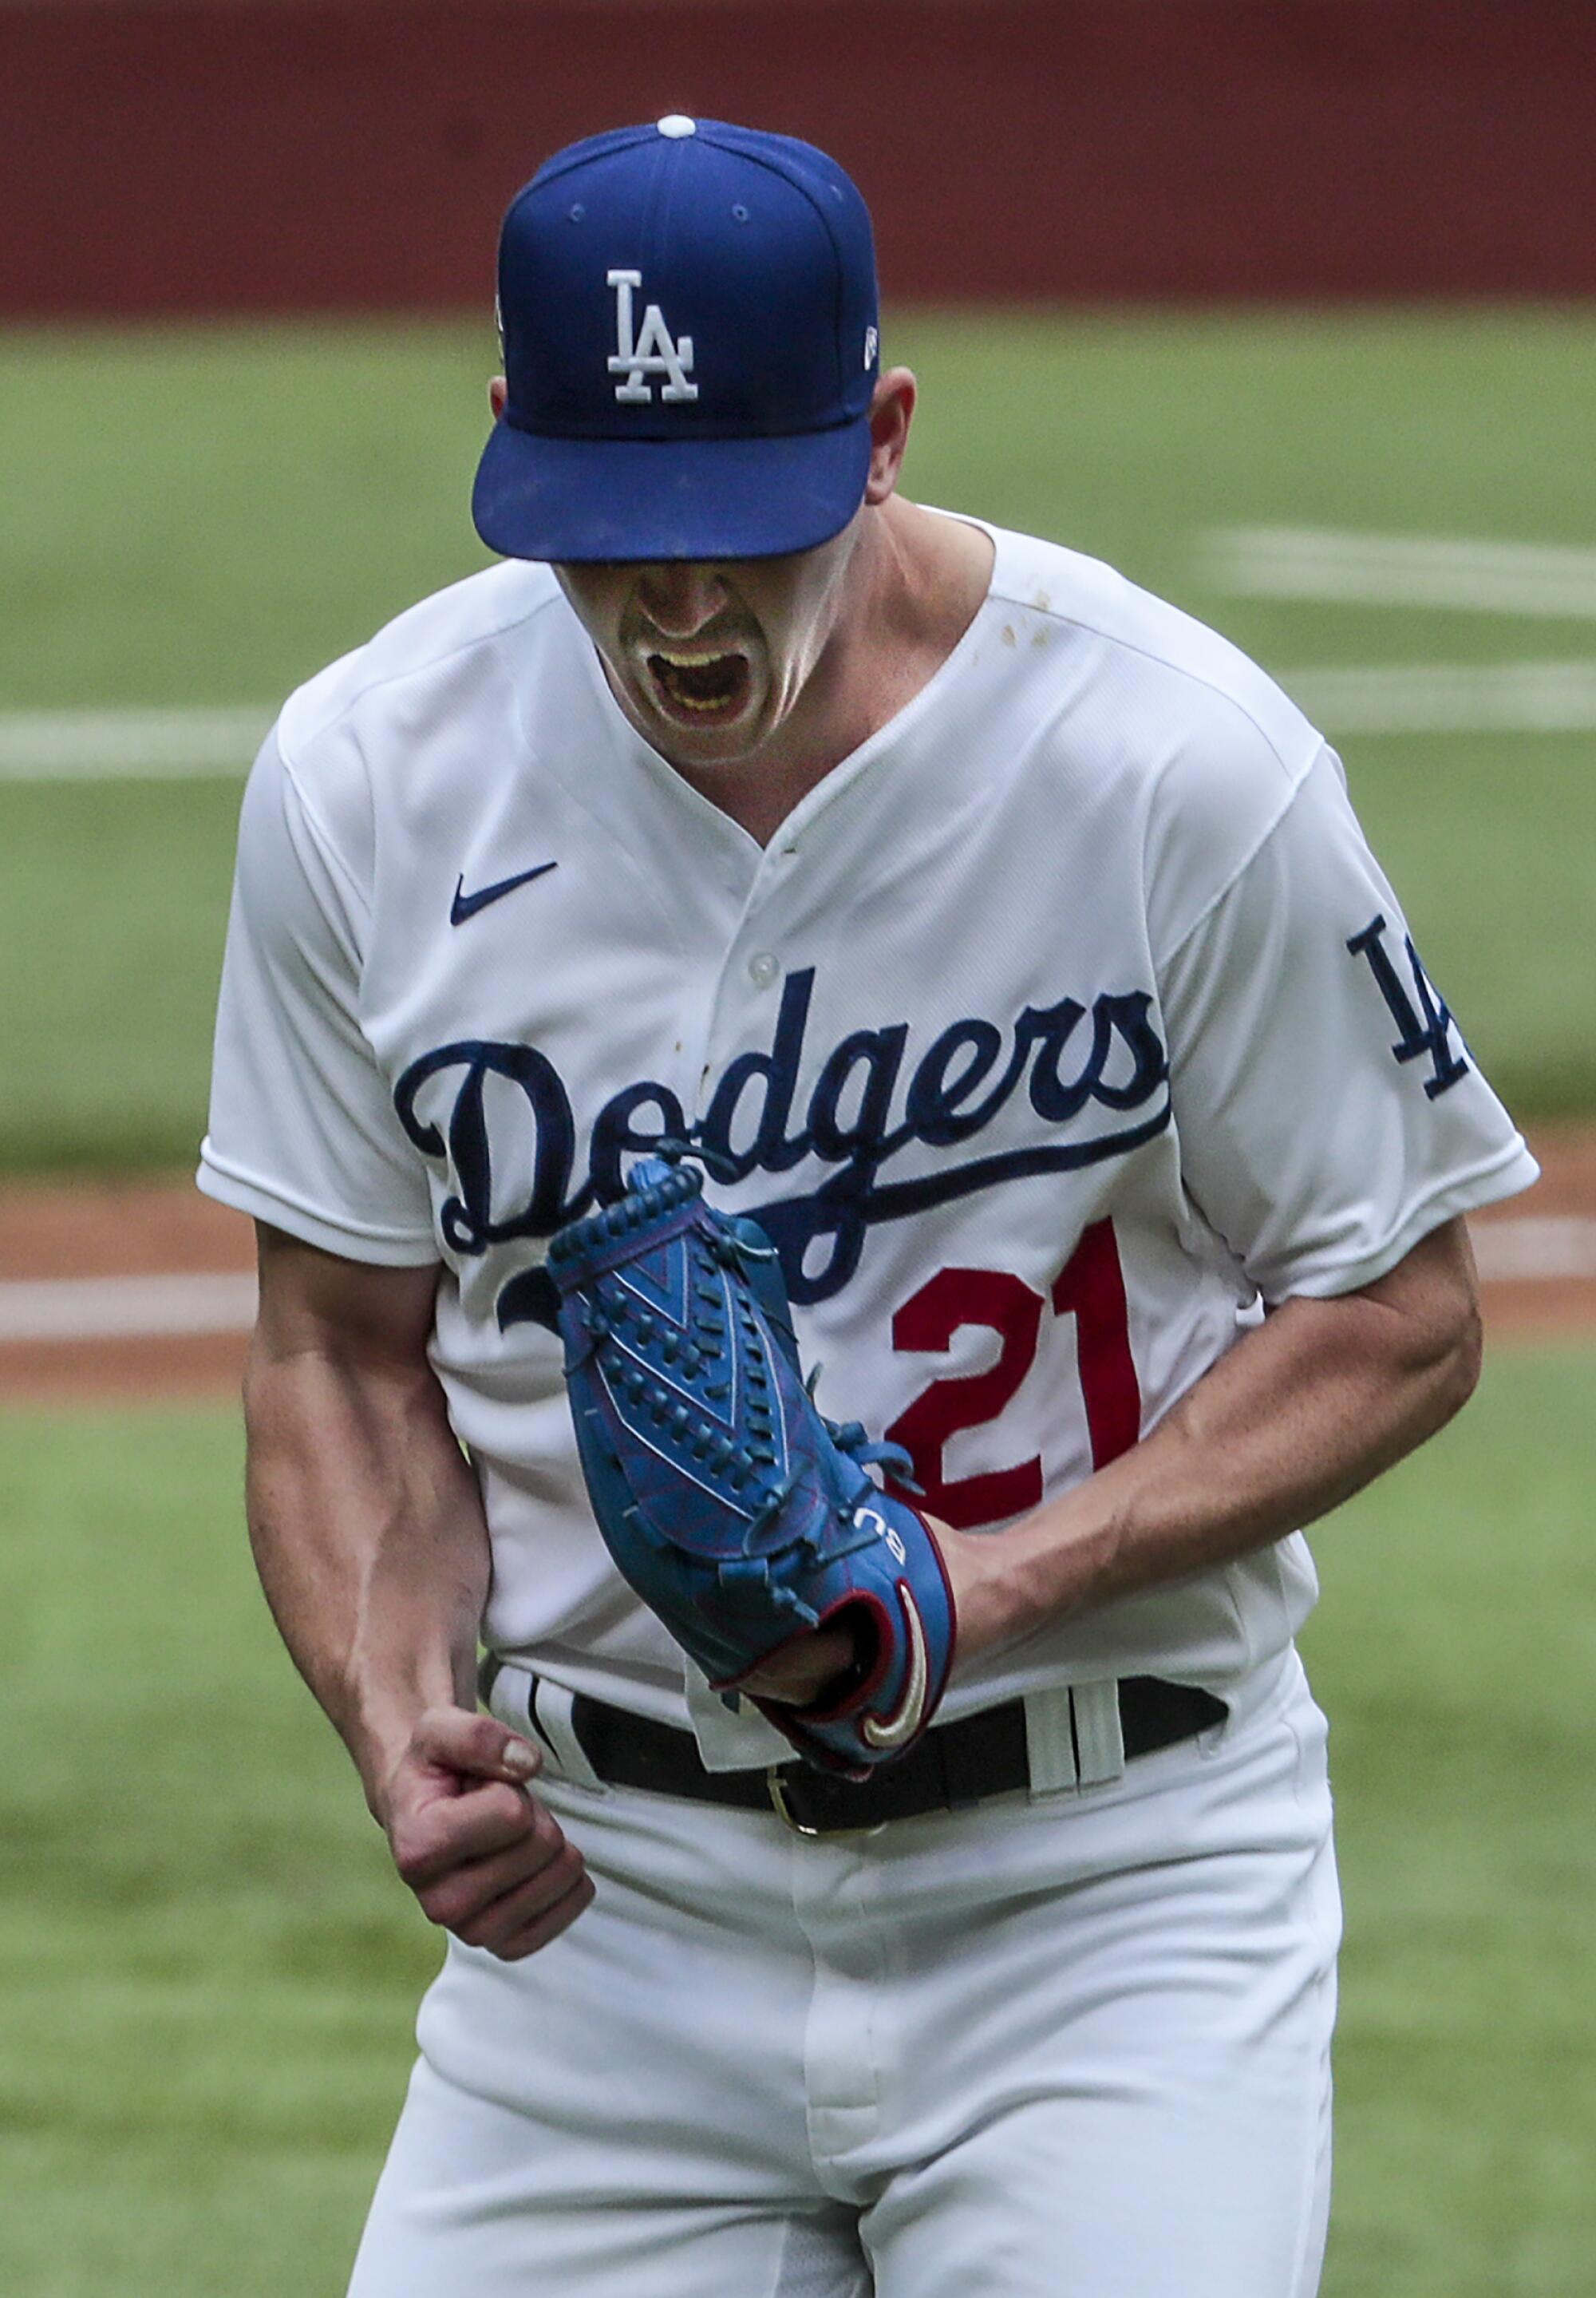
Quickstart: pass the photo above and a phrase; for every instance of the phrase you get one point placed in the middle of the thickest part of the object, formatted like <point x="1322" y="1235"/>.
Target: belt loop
<point x="1049" y="1740"/>
<point x="1099" y="1737"/>
<point x="504" y="1689"/>
<point x="551" y="1707"/>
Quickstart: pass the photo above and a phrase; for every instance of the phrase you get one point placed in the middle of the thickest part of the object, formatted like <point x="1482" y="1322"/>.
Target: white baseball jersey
<point x="1065" y="1023"/>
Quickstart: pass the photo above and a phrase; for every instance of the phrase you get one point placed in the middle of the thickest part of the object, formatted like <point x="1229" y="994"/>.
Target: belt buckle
<point x="777" y="1788"/>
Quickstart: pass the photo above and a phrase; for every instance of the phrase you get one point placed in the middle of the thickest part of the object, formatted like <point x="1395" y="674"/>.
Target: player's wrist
<point x="380" y="1760"/>
<point x="381" y="1726"/>
<point x="999" y="1595"/>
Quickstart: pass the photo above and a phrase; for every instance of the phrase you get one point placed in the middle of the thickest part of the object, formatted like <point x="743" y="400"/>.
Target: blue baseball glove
<point x="736" y="1512"/>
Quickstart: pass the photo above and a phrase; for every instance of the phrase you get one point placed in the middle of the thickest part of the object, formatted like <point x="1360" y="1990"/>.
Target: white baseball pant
<point x="1075" y="2045"/>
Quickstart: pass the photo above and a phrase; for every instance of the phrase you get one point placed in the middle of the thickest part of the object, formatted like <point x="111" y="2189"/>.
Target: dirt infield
<point x="89" y="1230"/>
<point x="60" y="1243"/>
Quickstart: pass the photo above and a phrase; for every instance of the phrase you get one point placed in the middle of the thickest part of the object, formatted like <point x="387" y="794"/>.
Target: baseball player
<point x="1004" y="941"/>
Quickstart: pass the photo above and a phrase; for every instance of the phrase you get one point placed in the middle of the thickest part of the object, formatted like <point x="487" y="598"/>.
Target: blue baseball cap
<point x="689" y="318"/>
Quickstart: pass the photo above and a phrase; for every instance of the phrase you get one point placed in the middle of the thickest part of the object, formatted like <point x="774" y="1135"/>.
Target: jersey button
<point x="764" y="968"/>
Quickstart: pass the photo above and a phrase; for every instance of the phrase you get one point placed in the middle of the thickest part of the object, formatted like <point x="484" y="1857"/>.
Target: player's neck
<point x="914" y="586"/>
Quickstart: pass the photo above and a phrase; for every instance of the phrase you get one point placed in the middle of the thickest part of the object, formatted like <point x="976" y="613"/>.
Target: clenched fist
<point x="484" y="1859"/>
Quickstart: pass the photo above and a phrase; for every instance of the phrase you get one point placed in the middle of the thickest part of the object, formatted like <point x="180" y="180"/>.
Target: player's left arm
<point x="1309" y="1407"/>
<point x="1334" y="1130"/>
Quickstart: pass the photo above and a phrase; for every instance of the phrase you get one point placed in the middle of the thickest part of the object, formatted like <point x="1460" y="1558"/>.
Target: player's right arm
<point x="367" y="1523"/>
<point x="368" y="1535"/>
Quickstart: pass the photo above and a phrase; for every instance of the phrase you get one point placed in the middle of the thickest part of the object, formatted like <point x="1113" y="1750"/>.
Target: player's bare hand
<point x="485" y="1860"/>
<point x="803" y="1672"/>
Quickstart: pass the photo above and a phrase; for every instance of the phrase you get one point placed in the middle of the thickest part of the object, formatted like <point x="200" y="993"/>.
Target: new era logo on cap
<point x="683" y="307"/>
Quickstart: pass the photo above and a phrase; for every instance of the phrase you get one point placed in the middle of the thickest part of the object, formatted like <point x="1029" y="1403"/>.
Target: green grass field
<point x="206" y="515"/>
<point x="207" y="1974"/>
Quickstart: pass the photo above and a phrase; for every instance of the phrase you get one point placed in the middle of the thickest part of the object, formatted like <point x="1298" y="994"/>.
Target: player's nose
<point x="680" y="597"/>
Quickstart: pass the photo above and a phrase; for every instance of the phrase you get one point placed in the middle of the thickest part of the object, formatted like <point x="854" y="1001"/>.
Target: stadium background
<point x="1283" y="305"/>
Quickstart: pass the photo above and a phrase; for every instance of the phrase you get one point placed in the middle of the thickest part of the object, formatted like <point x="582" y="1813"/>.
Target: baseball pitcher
<point x="848" y="1139"/>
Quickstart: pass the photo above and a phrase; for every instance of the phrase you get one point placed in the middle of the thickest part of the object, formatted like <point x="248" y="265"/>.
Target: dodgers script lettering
<point x="871" y="1104"/>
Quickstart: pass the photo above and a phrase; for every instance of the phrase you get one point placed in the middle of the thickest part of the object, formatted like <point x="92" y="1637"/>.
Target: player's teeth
<point x="681" y="675"/>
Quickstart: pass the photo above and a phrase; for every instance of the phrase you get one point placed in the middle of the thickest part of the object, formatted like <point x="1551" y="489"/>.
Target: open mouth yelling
<point x="700" y="690"/>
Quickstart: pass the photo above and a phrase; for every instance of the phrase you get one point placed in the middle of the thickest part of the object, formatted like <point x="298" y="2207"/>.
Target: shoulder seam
<point x="1177" y="669"/>
<point x="1247" y="859"/>
<point x="293" y="773"/>
<point x="324" y="837"/>
<point x="487" y="637"/>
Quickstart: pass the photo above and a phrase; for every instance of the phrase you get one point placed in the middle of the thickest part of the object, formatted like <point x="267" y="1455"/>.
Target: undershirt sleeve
<point x="302" y="1132"/>
<point x="1329" y="1111"/>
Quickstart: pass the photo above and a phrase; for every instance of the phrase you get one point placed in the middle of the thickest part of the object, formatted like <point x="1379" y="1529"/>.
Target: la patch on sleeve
<point x="1424" y="1020"/>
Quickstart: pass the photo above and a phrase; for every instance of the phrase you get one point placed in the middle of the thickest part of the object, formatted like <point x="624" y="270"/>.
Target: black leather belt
<point x="953" y="1767"/>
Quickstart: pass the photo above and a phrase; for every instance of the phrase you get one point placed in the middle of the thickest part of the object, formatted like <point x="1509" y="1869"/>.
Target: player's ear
<point x="892" y="411"/>
<point x="499" y="390"/>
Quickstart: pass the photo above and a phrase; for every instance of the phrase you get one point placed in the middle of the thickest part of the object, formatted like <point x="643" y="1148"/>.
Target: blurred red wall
<point x="357" y="153"/>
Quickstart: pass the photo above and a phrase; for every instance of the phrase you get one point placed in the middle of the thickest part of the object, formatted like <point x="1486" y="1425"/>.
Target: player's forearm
<point x="1305" y="1411"/>
<point x="368" y="1536"/>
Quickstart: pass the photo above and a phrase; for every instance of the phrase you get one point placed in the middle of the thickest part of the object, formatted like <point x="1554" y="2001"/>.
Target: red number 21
<point x="1090" y="1288"/>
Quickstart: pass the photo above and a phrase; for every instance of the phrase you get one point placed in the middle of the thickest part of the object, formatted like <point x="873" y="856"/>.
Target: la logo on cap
<point x="655" y="352"/>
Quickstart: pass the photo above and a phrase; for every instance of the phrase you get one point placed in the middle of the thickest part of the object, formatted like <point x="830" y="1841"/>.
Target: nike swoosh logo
<point x="886" y="1732"/>
<point x="466" y="905"/>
